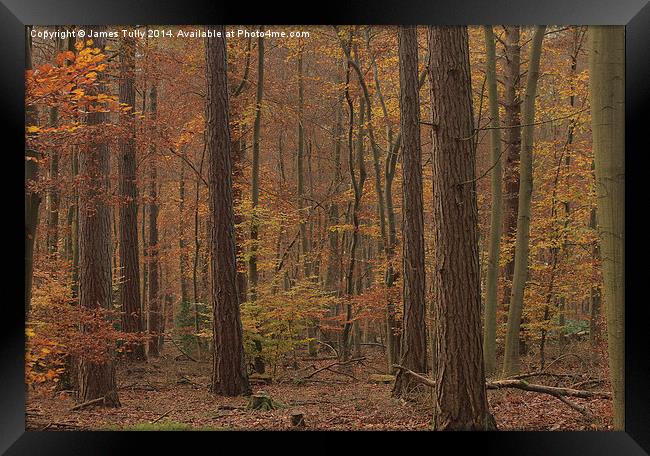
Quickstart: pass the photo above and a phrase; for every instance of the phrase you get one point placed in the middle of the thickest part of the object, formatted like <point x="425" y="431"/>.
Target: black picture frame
<point x="634" y="14"/>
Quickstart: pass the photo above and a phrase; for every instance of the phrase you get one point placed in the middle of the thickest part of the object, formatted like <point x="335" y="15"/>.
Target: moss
<point x="162" y="426"/>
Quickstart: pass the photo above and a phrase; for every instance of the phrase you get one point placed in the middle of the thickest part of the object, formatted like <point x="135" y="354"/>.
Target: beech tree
<point x="607" y="89"/>
<point x="511" y="355"/>
<point x="229" y="376"/>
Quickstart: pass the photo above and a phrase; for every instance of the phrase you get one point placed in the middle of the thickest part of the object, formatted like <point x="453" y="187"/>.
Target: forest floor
<point x="172" y="393"/>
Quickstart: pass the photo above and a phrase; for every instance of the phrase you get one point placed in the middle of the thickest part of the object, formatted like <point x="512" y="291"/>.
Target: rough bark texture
<point x="414" y="338"/>
<point x="96" y="379"/>
<point x="490" y="319"/>
<point x="153" y="273"/>
<point x="229" y="372"/>
<point x="607" y="68"/>
<point x="128" y="242"/>
<point x="520" y="275"/>
<point x="460" y="396"/>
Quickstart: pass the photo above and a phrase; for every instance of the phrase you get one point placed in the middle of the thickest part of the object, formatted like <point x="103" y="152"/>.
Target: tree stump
<point x="297" y="419"/>
<point x="262" y="401"/>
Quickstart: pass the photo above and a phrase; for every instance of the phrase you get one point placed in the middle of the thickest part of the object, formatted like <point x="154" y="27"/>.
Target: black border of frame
<point x="635" y="14"/>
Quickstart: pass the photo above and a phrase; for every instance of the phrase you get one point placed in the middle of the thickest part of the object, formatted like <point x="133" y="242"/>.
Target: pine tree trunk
<point x="490" y="319"/>
<point x="460" y="395"/>
<point x="414" y="338"/>
<point x="229" y="369"/>
<point x="128" y="242"/>
<point x="96" y="378"/>
<point x="607" y="69"/>
<point x="511" y="355"/>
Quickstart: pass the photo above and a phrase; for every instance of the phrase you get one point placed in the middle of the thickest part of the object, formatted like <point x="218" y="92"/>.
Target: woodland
<point x="346" y="227"/>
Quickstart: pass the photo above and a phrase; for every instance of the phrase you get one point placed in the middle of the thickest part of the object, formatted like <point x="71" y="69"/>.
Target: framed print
<point x="369" y="217"/>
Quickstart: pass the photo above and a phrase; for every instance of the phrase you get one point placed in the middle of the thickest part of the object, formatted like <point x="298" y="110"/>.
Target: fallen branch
<point x="558" y="393"/>
<point x="162" y="416"/>
<point x="338" y="363"/>
<point x="88" y="403"/>
<point x="181" y="350"/>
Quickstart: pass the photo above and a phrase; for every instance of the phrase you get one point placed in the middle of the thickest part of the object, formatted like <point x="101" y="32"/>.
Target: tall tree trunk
<point x="512" y="105"/>
<point x="607" y="69"/>
<point x="128" y="242"/>
<point x="255" y="184"/>
<point x="155" y="311"/>
<point x="229" y="370"/>
<point x="32" y="198"/>
<point x="460" y="395"/>
<point x="490" y="319"/>
<point x="300" y="174"/>
<point x="182" y="240"/>
<point x="96" y="377"/>
<point x="414" y="338"/>
<point x="520" y="275"/>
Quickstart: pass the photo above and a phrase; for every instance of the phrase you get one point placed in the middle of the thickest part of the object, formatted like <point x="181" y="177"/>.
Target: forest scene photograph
<point x="343" y="227"/>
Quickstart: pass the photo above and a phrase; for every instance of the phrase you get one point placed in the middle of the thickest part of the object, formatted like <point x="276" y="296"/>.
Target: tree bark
<point x="96" y="378"/>
<point x="229" y="369"/>
<point x="511" y="355"/>
<point x="490" y="319"/>
<point x="155" y="311"/>
<point x="607" y="69"/>
<point x="414" y="338"/>
<point x="128" y="242"/>
<point x="460" y="396"/>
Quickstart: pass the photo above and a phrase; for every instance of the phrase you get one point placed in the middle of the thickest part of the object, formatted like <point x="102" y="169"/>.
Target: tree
<point x="229" y="376"/>
<point x="414" y="338"/>
<point x="511" y="355"/>
<point x="32" y="198"/>
<point x="460" y="398"/>
<point x="255" y="184"/>
<point x="490" y="319"/>
<point x="96" y="377"/>
<point x="128" y="242"/>
<point x="155" y="311"/>
<point x="607" y="89"/>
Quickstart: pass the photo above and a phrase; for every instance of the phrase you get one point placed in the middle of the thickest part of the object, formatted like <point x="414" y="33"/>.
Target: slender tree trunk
<point x="182" y="240"/>
<point x="607" y="69"/>
<point x="96" y="377"/>
<point x="511" y="355"/>
<point x="490" y="320"/>
<point x="229" y="370"/>
<point x="155" y="311"/>
<point x="512" y="105"/>
<point x="32" y="198"/>
<point x="128" y="242"/>
<point x="414" y="338"/>
<point x="460" y="395"/>
<point x="255" y="185"/>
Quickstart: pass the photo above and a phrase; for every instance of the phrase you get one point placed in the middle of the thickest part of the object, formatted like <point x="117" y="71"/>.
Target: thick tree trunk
<point x="128" y="242"/>
<point x="155" y="310"/>
<point x="96" y="378"/>
<point x="229" y="370"/>
<point x="607" y="69"/>
<point x="460" y="396"/>
<point x="414" y="338"/>
<point x="490" y="319"/>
